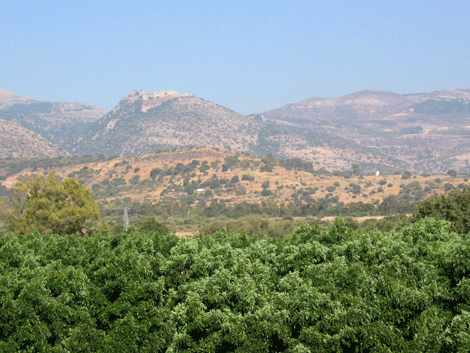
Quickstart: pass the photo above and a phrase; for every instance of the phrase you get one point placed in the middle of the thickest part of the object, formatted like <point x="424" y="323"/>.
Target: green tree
<point x="452" y="173"/>
<point x="453" y="207"/>
<point x="151" y="224"/>
<point x="155" y="172"/>
<point x="50" y="205"/>
<point x="269" y="163"/>
<point x="356" y="169"/>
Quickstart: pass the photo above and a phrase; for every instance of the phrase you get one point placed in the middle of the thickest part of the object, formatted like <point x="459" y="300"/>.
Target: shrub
<point x="406" y="175"/>
<point x="154" y="173"/>
<point x="248" y="177"/>
<point x="448" y="186"/>
<point x="266" y="192"/>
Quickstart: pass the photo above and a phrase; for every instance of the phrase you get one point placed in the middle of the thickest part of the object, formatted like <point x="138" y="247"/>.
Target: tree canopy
<point x="313" y="291"/>
<point x="50" y="205"/>
<point x="453" y="206"/>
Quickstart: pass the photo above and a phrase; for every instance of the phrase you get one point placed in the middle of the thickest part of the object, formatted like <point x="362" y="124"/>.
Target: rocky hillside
<point x="145" y="122"/>
<point x="18" y="142"/>
<point x="378" y="130"/>
<point x="56" y="121"/>
<point x="428" y="131"/>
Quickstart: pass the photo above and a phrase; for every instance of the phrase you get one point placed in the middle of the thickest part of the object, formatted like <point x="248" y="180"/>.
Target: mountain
<point x="56" y="121"/>
<point x="379" y="130"/>
<point x="373" y="104"/>
<point x="428" y="131"/>
<point x="17" y="141"/>
<point x="144" y="122"/>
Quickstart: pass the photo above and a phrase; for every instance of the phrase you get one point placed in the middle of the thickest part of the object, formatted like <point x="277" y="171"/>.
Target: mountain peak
<point x="140" y="94"/>
<point x="151" y="100"/>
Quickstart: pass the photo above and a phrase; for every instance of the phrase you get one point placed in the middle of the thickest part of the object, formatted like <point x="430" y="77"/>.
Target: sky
<point x="250" y="56"/>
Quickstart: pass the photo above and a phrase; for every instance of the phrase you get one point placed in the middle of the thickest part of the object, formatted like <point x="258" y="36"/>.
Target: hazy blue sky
<point x="249" y="56"/>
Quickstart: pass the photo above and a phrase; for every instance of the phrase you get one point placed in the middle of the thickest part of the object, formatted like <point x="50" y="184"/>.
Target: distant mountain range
<point x="56" y="121"/>
<point x="428" y="131"/>
<point x="380" y="130"/>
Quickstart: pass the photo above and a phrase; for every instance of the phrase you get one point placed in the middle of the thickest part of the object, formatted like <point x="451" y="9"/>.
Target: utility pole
<point x="126" y="219"/>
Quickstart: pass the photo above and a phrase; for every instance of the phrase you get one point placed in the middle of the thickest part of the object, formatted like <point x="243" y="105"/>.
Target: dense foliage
<point x="313" y="291"/>
<point x="453" y="206"/>
<point x="50" y="205"/>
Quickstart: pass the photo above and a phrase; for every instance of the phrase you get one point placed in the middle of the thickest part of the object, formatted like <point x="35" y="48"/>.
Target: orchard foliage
<point x="50" y="205"/>
<point x="338" y="290"/>
<point x="453" y="206"/>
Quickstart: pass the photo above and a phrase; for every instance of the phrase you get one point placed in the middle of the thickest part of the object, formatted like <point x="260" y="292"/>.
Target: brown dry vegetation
<point x="283" y="183"/>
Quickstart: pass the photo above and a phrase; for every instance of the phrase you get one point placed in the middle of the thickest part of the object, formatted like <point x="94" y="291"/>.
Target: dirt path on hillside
<point x="359" y="219"/>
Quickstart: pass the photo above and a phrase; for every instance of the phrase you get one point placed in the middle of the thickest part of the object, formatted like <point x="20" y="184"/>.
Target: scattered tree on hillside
<point x="452" y="173"/>
<point x="356" y="169"/>
<point x="269" y="163"/>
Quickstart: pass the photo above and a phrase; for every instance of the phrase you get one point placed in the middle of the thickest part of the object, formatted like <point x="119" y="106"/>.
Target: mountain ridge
<point x="56" y="121"/>
<point x="380" y="130"/>
<point x="430" y="131"/>
<point x="144" y="122"/>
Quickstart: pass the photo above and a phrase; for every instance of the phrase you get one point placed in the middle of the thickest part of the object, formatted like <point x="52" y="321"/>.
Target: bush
<point x="452" y="173"/>
<point x="154" y="173"/>
<point x="134" y="180"/>
<point x="248" y="177"/>
<point x="406" y="175"/>
<point x="266" y="192"/>
<point x="448" y="186"/>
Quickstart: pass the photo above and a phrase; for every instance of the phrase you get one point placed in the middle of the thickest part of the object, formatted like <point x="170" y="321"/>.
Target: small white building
<point x="377" y="173"/>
